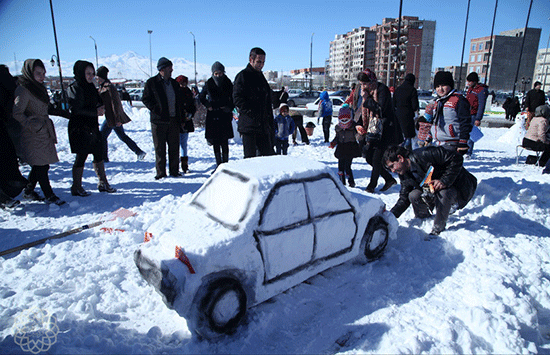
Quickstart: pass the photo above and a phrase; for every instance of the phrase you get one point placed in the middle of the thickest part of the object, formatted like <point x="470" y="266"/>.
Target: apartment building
<point x="499" y="70"/>
<point x="416" y="45"/>
<point x="350" y="54"/>
<point x="542" y="69"/>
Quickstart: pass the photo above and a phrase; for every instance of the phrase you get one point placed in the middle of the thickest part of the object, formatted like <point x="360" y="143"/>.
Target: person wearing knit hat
<point x="161" y="95"/>
<point x="477" y="97"/>
<point x="284" y="126"/>
<point x="451" y="123"/>
<point x="346" y="145"/>
<point x="217" y="97"/>
<point x="115" y="116"/>
<point x="378" y="117"/>
<point x="189" y="109"/>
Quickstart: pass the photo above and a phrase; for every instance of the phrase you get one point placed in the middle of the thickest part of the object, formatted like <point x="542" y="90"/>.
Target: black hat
<point x="217" y="66"/>
<point x="102" y="72"/>
<point x="537" y="83"/>
<point x="473" y="77"/>
<point x="163" y="63"/>
<point x="444" y="78"/>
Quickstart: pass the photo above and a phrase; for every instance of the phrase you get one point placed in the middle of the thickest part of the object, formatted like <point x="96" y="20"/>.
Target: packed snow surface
<point x="482" y="287"/>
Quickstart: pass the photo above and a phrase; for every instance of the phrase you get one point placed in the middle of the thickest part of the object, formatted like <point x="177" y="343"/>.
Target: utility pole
<point x="311" y="63"/>
<point x="96" y="61"/>
<point x="150" y="53"/>
<point x="194" y="56"/>
<point x="459" y="86"/>
<point x="64" y="104"/>
<point x="521" y="50"/>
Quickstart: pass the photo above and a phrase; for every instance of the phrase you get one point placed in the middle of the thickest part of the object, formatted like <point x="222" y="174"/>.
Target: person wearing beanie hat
<point x="477" y="97"/>
<point x="217" y="97"/>
<point x="451" y="123"/>
<point x="379" y="127"/>
<point x="161" y="95"/>
<point x="102" y="72"/>
<point x="406" y="103"/>
<point x="115" y="116"/>
<point x="533" y="99"/>
<point x="86" y="105"/>
<point x="346" y="145"/>
<point x="189" y="109"/>
<point x="284" y="126"/>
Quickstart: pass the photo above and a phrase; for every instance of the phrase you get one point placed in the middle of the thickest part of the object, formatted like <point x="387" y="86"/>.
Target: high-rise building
<point x="350" y="54"/>
<point x="542" y="69"/>
<point x="416" y="45"/>
<point x="504" y="60"/>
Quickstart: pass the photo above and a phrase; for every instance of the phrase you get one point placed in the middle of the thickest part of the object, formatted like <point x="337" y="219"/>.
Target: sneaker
<point x="32" y="196"/>
<point x="55" y="199"/>
<point x="11" y="203"/>
<point x="141" y="156"/>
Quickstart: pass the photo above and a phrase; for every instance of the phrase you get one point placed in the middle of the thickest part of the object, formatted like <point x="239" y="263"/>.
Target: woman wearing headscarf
<point x="217" y="97"/>
<point x="380" y="127"/>
<point x="84" y="136"/>
<point x="37" y="133"/>
<point x="537" y="136"/>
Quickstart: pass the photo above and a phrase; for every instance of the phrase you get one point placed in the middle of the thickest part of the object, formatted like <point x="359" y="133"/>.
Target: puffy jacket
<point x="284" y="126"/>
<point x="448" y="168"/>
<point x="477" y="97"/>
<point x="252" y="97"/>
<point x="325" y="105"/>
<point x="452" y="122"/>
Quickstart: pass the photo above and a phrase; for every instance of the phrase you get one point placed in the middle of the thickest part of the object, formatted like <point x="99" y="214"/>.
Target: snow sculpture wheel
<point x="375" y="238"/>
<point x="221" y="308"/>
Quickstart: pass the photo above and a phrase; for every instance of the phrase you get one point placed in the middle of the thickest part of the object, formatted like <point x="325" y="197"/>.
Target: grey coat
<point x="37" y="134"/>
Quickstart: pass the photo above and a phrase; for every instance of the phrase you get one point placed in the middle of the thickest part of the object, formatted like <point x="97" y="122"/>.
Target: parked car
<point x="341" y="93"/>
<point x="256" y="228"/>
<point x="294" y="91"/>
<point x="425" y="95"/>
<point x="303" y="98"/>
<point x="313" y="107"/>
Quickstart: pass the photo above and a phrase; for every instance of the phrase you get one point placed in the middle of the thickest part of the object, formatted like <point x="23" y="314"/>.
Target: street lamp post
<point x="64" y="103"/>
<point x="194" y="56"/>
<point x="150" y="53"/>
<point x="311" y="63"/>
<point x="96" y="60"/>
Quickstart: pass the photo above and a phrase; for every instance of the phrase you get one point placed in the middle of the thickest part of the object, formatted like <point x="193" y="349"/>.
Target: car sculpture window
<point x="231" y="210"/>
<point x="298" y="226"/>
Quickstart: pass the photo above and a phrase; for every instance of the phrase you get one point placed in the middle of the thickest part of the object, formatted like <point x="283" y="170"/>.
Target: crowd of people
<point x="385" y="129"/>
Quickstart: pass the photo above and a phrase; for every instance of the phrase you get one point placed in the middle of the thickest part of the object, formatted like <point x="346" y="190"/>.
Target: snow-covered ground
<point x="483" y="287"/>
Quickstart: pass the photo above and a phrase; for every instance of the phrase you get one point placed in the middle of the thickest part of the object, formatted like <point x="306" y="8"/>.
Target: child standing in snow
<point x="325" y="111"/>
<point x="284" y="126"/>
<point x="346" y="145"/>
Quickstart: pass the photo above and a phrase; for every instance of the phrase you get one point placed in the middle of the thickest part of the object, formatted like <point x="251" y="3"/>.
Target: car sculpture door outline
<point x="297" y="227"/>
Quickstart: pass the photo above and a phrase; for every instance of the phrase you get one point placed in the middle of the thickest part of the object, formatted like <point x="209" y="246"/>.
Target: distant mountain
<point x="132" y="66"/>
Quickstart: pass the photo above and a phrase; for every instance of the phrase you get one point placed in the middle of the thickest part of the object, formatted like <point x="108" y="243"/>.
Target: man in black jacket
<point x="533" y="99"/>
<point x="451" y="183"/>
<point x="161" y="96"/>
<point x="252" y="97"/>
<point x="405" y="100"/>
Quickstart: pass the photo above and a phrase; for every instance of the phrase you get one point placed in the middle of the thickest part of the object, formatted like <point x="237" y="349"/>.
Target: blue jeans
<point x="183" y="143"/>
<point x="119" y="130"/>
<point x="471" y="142"/>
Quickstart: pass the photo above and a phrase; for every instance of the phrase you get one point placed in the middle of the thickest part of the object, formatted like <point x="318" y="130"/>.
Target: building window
<point x="479" y="57"/>
<point x="473" y="47"/>
<point x="480" y="46"/>
<point x="477" y="70"/>
<point x="473" y="58"/>
<point x="487" y="44"/>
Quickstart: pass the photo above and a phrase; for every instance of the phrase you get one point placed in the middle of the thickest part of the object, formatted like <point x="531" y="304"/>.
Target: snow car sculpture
<point x="256" y="228"/>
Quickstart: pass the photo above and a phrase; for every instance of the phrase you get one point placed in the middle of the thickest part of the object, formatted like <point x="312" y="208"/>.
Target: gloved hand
<point x="332" y="145"/>
<point x="462" y="148"/>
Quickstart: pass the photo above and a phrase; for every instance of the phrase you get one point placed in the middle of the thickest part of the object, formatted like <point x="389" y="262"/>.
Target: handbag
<point x="188" y="125"/>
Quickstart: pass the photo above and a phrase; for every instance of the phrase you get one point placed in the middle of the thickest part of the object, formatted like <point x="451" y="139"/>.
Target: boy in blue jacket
<point x="284" y="126"/>
<point x="325" y="111"/>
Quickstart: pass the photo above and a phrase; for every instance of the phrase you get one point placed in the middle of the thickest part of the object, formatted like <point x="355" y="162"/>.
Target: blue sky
<point x="225" y="31"/>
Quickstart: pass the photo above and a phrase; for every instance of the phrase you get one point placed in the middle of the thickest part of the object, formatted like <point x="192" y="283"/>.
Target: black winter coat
<point x="220" y="99"/>
<point x="405" y="99"/>
<point x="83" y="128"/>
<point x="252" y="97"/>
<point x="533" y="99"/>
<point x="154" y="98"/>
<point x="391" y="132"/>
<point x="448" y="169"/>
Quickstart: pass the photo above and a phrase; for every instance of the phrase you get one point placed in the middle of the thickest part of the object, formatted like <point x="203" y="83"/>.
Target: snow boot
<point x="76" y="188"/>
<point x="342" y="177"/>
<point x="103" y="185"/>
<point x="351" y="180"/>
<point x="30" y="194"/>
<point x="185" y="164"/>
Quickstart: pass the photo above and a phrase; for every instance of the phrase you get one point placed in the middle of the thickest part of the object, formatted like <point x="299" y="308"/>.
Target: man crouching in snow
<point x="451" y="184"/>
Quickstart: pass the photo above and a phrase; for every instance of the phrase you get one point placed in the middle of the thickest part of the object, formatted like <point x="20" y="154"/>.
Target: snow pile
<point x="483" y="287"/>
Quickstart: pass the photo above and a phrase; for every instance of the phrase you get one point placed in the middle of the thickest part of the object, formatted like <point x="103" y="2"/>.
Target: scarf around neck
<point x="28" y="82"/>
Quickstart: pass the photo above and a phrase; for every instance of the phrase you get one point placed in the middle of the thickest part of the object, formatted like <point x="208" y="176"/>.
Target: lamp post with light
<point x="194" y="56"/>
<point x="150" y="52"/>
<point x="96" y="60"/>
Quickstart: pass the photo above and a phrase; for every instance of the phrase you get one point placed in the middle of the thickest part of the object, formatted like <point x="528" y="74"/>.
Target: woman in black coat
<point x="380" y="127"/>
<point x="405" y="99"/>
<point x="84" y="136"/>
<point x="217" y="97"/>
